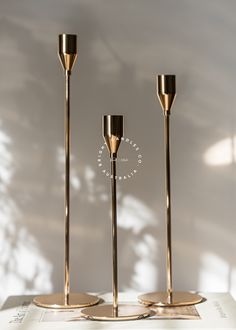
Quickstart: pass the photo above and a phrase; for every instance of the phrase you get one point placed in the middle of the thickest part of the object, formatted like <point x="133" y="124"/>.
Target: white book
<point x="218" y="311"/>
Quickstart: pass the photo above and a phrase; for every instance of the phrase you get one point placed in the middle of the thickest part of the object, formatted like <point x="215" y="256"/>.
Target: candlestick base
<point x="108" y="313"/>
<point x="57" y="301"/>
<point x="178" y="299"/>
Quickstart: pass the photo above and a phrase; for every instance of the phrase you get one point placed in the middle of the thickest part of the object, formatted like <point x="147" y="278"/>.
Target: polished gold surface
<point x="166" y="91"/>
<point x="114" y="234"/>
<point x="113" y="132"/>
<point x="57" y="301"/>
<point x="168" y="208"/>
<point x="67" y="50"/>
<point x="122" y="313"/>
<point x="63" y="39"/>
<point x="178" y="299"/>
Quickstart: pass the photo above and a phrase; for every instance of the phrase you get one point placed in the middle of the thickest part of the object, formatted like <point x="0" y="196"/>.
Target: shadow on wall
<point x="31" y="171"/>
<point x="32" y="177"/>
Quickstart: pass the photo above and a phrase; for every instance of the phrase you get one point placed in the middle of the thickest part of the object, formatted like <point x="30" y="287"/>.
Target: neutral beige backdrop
<point x="122" y="45"/>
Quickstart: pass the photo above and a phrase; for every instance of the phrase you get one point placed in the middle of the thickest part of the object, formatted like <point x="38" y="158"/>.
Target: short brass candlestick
<point x="67" y="55"/>
<point x="166" y="92"/>
<point x="113" y="132"/>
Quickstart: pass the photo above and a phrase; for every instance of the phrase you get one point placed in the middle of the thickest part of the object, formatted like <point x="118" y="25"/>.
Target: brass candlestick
<point x="67" y="55"/>
<point x="113" y="132"/>
<point x="166" y="93"/>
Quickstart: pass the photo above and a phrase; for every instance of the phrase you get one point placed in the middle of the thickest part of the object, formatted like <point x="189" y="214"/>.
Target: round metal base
<point x="57" y="301"/>
<point x="178" y="299"/>
<point x="107" y="313"/>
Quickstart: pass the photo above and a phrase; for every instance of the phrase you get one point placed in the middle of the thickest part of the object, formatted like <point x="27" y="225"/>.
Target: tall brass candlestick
<point x="166" y="92"/>
<point x="113" y="132"/>
<point x="67" y="54"/>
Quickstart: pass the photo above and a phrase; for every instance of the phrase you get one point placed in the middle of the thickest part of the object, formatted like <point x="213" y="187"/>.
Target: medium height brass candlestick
<point x="113" y="132"/>
<point x="67" y="54"/>
<point x="166" y="94"/>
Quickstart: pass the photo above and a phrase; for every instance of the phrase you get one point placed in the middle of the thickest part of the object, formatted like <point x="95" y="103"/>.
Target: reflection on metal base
<point x="108" y="313"/>
<point x="57" y="301"/>
<point x="178" y="299"/>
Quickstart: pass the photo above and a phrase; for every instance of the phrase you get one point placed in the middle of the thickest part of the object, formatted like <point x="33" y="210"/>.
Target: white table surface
<point x="217" y="312"/>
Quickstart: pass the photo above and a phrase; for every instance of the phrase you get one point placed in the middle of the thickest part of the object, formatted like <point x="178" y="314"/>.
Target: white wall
<point x="122" y="45"/>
